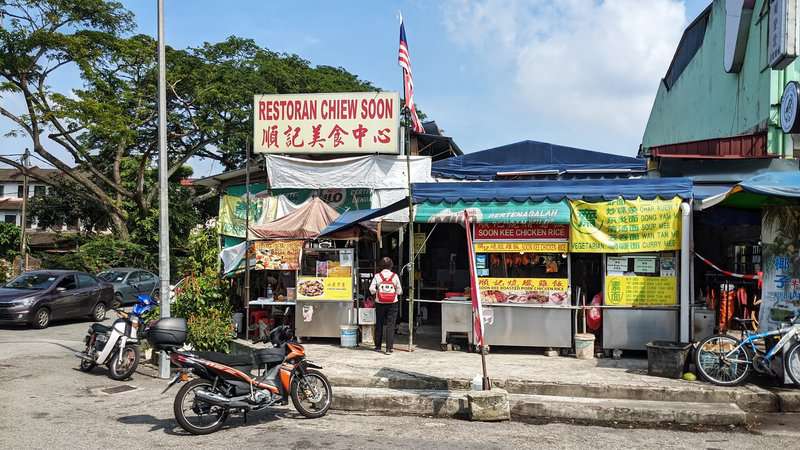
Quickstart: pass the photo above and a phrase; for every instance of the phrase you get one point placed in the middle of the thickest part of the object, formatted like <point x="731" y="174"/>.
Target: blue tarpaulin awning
<point x="534" y="158"/>
<point x="552" y="190"/>
<point x="350" y="219"/>
<point x="771" y="188"/>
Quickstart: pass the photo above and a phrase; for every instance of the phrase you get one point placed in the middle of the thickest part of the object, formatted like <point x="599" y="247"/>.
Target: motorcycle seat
<point x="227" y="359"/>
<point x="269" y="356"/>
<point x="99" y="328"/>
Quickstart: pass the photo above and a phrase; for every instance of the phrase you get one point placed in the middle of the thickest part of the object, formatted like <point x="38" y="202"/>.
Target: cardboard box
<point x="366" y="316"/>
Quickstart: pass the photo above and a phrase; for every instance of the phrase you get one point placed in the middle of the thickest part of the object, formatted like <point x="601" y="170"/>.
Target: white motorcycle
<point x="116" y="346"/>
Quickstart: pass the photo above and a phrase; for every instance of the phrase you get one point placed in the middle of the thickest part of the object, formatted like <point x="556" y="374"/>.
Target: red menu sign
<point x="520" y="231"/>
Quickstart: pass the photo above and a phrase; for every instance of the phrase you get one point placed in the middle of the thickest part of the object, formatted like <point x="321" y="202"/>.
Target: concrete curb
<point x="454" y="404"/>
<point x="749" y="398"/>
<point x="418" y="402"/>
<point x="595" y="410"/>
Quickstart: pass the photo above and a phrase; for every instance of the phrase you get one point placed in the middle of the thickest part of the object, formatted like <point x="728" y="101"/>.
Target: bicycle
<point x="727" y="361"/>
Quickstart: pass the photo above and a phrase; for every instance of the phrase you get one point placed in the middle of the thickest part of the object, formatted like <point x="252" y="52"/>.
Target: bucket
<point x="584" y="346"/>
<point x="667" y="359"/>
<point x="348" y="335"/>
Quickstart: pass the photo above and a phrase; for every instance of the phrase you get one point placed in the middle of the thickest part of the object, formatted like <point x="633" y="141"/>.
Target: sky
<point x="580" y="73"/>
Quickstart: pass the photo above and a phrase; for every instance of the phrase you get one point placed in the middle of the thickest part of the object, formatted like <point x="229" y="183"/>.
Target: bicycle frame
<point x="789" y="334"/>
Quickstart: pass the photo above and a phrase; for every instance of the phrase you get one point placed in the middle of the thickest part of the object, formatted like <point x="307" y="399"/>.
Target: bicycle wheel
<point x="792" y="363"/>
<point x="718" y="363"/>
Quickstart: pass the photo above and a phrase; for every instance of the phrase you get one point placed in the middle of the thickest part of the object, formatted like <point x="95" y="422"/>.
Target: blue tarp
<point x="778" y="184"/>
<point x="532" y="156"/>
<point x="554" y="191"/>
<point x="703" y="191"/>
<point x="350" y="219"/>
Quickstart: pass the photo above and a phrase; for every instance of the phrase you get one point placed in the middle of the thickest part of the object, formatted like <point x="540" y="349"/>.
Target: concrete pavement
<point x="47" y="403"/>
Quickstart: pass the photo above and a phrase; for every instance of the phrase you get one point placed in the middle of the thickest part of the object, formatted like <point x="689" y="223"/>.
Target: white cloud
<point x="587" y="64"/>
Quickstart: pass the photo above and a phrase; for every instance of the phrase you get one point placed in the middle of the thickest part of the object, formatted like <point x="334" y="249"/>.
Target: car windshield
<point x="111" y="276"/>
<point x="36" y="281"/>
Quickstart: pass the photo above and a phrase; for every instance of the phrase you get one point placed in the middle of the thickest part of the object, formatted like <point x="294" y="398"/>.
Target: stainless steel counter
<point x="632" y="329"/>
<point x="519" y="325"/>
<point x="325" y="319"/>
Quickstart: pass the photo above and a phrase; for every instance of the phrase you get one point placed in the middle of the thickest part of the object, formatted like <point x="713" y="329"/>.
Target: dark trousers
<point x="385" y="316"/>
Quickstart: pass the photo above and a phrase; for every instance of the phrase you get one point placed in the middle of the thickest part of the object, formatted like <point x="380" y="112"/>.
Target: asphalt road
<point x="45" y="402"/>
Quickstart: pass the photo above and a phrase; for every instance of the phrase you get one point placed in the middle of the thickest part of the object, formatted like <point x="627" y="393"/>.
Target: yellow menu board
<point x="640" y="291"/>
<point x="541" y="291"/>
<point x="324" y="288"/>
<point x="625" y="226"/>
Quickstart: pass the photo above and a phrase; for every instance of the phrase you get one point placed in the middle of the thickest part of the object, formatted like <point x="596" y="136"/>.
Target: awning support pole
<point x="686" y="251"/>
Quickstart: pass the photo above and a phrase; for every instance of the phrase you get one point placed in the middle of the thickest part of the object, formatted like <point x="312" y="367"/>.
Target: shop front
<point x="625" y="236"/>
<point x="522" y="264"/>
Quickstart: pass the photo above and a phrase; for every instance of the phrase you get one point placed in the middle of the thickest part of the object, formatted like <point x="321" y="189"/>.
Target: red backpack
<point x="386" y="290"/>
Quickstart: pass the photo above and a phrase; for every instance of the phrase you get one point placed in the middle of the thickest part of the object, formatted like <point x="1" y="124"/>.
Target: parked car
<point x="129" y="283"/>
<point x="38" y="297"/>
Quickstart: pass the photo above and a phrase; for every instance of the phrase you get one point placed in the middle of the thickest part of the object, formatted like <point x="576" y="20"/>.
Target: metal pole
<point x="23" y="248"/>
<point x="410" y="247"/>
<point x="163" y="193"/>
<point x="247" y="242"/>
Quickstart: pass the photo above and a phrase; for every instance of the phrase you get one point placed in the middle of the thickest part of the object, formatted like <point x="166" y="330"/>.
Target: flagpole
<point x="407" y="144"/>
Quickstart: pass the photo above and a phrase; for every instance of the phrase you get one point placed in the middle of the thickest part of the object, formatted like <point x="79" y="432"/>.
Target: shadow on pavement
<point x="170" y="426"/>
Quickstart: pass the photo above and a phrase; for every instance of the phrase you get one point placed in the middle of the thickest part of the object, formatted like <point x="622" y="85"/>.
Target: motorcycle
<point x="116" y="346"/>
<point x="223" y="384"/>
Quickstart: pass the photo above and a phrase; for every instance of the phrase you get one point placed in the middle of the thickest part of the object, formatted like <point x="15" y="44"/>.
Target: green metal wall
<point x="706" y="102"/>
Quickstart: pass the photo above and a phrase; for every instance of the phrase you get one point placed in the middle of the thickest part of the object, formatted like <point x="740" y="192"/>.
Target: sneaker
<point x="378" y="349"/>
<point x="389" y="352"/>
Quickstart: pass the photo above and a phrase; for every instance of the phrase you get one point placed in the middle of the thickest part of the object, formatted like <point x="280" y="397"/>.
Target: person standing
<point x="387" y="290"/>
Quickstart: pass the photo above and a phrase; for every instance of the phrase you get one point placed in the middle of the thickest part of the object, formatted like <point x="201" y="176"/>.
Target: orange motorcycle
<point x="223" y="383"/>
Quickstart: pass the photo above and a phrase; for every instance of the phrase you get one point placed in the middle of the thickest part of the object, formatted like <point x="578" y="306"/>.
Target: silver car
<point x="129" y="283"/>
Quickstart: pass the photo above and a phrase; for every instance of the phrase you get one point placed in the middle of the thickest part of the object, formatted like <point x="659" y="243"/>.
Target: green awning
<point x="545" y="212"/>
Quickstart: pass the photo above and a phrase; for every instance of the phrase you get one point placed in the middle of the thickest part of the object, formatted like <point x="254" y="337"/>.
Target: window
<point x="67" y="283"/>
<point x="146" y="276"/>
<point x="19" y="191"/>
<point x="39" y="190"/>
<point x="85" y="281"/>
<point x="133" y="277"/>
<point x="10" y="218"/>
<point x="2" y="190"/>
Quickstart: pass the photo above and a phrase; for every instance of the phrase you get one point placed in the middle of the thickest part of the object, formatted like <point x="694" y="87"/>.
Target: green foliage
<point x="100" y="253"/>
<point x="203" y="302"/>
<point x="202" y="252"/>
<point x="211" y="331"/>
<point x="66" y="203"/>
<point x="9" y="240"/>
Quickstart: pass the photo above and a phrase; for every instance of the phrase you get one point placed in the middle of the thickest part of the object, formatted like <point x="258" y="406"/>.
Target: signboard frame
<point x="327" y="123"/>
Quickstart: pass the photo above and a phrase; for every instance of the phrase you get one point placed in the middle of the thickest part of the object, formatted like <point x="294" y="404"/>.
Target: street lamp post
<point x="163" y="168"/>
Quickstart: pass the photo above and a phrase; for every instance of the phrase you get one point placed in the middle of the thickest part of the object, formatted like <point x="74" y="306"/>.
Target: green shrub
<point x="203" y="302"/>
<point x="210" y="331"/>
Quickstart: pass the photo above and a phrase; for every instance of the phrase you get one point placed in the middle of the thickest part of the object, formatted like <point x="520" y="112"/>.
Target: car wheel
<point x="42" y="318"/>
<point x="99" y="312"/>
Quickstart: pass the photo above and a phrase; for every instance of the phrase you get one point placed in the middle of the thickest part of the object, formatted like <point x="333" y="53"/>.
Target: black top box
<point x="167" y="333"/>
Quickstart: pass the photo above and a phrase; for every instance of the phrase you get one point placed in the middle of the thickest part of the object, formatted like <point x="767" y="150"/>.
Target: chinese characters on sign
<point x="625" y="226"/>
<point x="781" y="287"/>
<point x="641" y="291"/>
<point x="324" y="288"/>
<point x="349" y="122"/>
<point x="520" y="247"/>
<point x="540" y="291"/>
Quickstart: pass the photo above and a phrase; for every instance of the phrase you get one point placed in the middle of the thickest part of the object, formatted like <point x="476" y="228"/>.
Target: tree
<point x="111" y="122"/>
<point x="9" y="240"/>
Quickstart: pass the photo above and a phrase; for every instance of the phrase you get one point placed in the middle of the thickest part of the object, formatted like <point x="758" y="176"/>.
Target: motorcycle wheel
<point x="122" y="368"/>
<point x="312" y="394"/>
<point x="87" y="366"/>
<point x="206" y="418"/>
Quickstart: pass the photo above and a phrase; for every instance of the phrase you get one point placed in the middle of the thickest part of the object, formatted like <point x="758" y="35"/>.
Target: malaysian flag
<point x="404" y="59"/>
